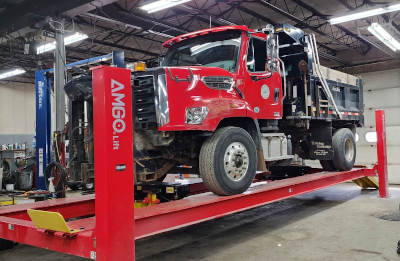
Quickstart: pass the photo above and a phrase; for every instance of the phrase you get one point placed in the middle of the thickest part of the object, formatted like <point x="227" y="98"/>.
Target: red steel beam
<point x="24" y="232"/>
<point x="68" y="207"/>
<point x="195" y="209"/>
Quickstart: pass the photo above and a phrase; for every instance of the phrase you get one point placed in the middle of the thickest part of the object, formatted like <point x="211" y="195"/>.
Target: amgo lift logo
<point x="118" y="111"/>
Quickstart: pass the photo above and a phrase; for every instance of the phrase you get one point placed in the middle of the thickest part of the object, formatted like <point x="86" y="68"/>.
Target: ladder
<point x="322" y="79"/>
<point x="322" y="105"/>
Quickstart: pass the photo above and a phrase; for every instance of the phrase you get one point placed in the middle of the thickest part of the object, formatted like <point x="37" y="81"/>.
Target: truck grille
<point x="144" y="106"/>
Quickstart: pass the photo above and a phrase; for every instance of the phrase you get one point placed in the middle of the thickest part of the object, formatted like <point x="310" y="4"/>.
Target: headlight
<point x="196" y="115"/>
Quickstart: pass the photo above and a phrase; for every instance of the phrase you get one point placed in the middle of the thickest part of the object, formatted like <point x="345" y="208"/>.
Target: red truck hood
<point x="188" y="73"/>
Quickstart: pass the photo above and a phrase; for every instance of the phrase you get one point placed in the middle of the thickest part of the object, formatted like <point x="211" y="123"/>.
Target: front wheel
<point x="228" y="161"/>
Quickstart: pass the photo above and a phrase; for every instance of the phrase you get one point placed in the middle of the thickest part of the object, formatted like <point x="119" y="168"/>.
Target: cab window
<point x="256" y="55"/>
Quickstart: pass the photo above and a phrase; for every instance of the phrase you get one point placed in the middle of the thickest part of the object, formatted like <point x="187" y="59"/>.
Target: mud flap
<point x="320" y="140"/>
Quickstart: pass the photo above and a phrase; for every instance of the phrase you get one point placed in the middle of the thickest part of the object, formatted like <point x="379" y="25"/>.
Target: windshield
<point x="212" y="50"/>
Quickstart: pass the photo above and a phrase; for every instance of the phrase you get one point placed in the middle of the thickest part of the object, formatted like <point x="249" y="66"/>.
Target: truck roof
<point x="182" y="37"/>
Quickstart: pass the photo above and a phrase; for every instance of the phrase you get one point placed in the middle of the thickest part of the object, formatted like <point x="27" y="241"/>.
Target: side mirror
<point x="271" y="49"/>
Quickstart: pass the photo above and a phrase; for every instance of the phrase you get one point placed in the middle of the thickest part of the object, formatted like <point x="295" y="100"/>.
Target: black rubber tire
<point x="211" y="161"/>
<point x="327" y="165"/>
<point x="338" y="144"/>
<point x="6" y="244"/>
<point x="74" y="185"/>
<point x="62" y="179"/>
<point x="398" y="247"/>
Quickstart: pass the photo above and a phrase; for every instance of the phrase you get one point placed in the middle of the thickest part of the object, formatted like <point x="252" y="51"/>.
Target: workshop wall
<point x="381" y="91"/>
<point x="17" y="113"/>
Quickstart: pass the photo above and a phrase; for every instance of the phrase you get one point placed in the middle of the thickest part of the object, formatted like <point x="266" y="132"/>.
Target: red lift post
<point x="382" y="155"/>
<point x="114" y="205"/>
<point x="113" y="223"/>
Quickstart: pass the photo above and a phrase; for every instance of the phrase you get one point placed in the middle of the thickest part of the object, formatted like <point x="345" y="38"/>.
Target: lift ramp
<point x="109" y="228"/>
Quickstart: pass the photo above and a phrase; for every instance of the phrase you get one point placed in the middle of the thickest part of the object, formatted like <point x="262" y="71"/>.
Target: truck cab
<point x="221" y="72"/>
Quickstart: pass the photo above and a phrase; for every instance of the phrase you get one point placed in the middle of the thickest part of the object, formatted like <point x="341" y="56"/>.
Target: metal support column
<point x="43" y="110"/>
<point x="43" y="126"/>
<point x="382" y="154"/>
<point x="59" y="80"/>
<point x="112" y="110"/>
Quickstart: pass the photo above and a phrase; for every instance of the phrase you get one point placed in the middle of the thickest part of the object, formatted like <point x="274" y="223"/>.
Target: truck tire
<point x="344" y="149"/>
<point x="6" y="244"/>
<point x="228" y="161"/>
<point x="327" y="165"/>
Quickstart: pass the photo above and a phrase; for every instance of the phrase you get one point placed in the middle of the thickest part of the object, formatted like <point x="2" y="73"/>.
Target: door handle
<point x="255" y="77"/>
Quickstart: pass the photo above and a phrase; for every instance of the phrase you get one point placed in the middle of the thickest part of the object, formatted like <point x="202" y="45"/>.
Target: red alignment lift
<point x="108" y="226"/>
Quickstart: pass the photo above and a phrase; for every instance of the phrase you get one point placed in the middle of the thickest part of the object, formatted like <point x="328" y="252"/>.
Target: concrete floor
<point x="337" y="223"/>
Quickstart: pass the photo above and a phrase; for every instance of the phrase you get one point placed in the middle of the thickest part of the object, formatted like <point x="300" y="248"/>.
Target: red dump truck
<point x="231" y="101"/>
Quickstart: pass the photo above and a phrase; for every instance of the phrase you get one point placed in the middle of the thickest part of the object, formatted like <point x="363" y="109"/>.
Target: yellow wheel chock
<point x="50" y="221"/>
<point x="367" y="182"/>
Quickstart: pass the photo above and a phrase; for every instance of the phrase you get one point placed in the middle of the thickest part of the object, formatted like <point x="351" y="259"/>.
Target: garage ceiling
<point x="113" y="25"/>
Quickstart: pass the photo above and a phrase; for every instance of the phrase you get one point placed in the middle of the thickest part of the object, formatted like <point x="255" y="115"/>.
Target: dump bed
<point x="314" y="91"/>
<point x="347" y="92"/>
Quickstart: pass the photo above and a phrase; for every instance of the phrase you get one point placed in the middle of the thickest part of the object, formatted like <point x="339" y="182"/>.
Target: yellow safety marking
<point x="367" y="182"/>
<point x="139" y="204"/>
<point x="7" y="203"/>
<point x="153" y="197"/>
<point x="169" y="189"/>
<point x="52" y="221"/>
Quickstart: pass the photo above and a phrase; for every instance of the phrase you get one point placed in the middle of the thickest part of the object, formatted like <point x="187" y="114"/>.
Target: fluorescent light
<point x="380" y="33"/>
<point x="222" y="20"/>
<point x="12" y="73"/>
<point x="106" y="19"/>
<point x="160" y="34"/>
<point x="364" y="14"/>
<point x="161" y="5"/>
<point x="76" y="37"/>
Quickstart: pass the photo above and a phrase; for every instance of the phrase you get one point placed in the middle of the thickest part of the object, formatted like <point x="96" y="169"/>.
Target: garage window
<point x="371" y="136"/>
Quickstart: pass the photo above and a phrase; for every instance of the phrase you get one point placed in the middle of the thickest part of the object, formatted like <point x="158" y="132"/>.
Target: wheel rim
<point x="349" y="149"/>
<point x="236" y="161"/>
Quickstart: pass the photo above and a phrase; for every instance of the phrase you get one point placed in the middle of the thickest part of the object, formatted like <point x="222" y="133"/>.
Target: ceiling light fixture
<point x="222" y="20"/>
<point x="161" y="5"/>
<point x="76" y="37"/>
<point x="110" y="20"/>
<point x="364" y="14"/>
<point x="12" y="73"/>
<point x="160" y="34"/>
<point x="379" y="32"/>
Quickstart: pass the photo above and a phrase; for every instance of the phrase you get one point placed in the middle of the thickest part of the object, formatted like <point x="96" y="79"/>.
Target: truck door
<point x="263" y="90"/>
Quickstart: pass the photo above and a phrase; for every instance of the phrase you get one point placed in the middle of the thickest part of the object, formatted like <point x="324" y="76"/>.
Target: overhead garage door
<point x="381" y="91"/>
